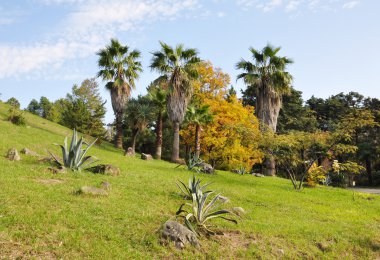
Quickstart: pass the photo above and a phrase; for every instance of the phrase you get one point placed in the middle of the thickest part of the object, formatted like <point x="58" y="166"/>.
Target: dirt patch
<point x="49" y="181"/>
<point x="13" y="250"/>
<point x="234" y="240"/>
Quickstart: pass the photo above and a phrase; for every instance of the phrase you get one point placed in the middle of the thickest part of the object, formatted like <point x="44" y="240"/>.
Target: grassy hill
<point x="39" y="220"/>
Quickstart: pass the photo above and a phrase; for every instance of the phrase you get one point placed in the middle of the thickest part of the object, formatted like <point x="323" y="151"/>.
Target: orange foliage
<point x="231" y="140"/>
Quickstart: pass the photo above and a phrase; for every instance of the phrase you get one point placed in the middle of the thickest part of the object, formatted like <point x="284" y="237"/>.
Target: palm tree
<point x="139" y="114"/>
<point x="177" y="68"/>
<point x="268" y="77"/>
<point x="198" y="116"/>
<point x="157" y="94"/>
<point x="120" y="68"/>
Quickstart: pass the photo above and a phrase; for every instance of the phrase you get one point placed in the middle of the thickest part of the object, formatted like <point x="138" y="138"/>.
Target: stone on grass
<point x="258" y="175"/>
<point x="26" y="151"/>
<point x="105" y="185"/>
<point x="179" y="234"/>
<point x="46" y="160"/>
<point x="58" y="170"/>
<point x="129" y="152"/>
<point x="13" y="155"/>
<point x="223" y="199"/>
<point x="106" y="169"/>
<point x="92" y="191"/>
<point x="146" y="157"/>
<point x="207" y="168"/>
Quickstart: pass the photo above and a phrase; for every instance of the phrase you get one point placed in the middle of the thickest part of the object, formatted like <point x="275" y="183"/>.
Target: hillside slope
<point x="46" y="221"/>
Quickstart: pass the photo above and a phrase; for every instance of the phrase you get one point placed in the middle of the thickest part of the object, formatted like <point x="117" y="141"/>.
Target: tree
<point x="139" y="114"/>
<point x="120" y="68"/>
<point x="84" y="109"/>
<point x="198" y="116"/>
<point x="13" y="102"/>
<point x="268" y="78"/>
<point x="34" y="107"/>
<point x="230" y="141"/>
<point x="177" y="67"/>
<point x="45" y="106"/>
<point x="157" y="93"/>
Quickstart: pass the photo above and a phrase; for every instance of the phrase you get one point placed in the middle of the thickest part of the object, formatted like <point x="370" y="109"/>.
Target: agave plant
<point x="194" y="163"/>
<point x="193" y="187"/>
<point x="202" y="209"/>
<point x="74" y="158"/>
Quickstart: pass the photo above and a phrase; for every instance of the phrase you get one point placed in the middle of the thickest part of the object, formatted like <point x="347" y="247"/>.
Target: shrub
<point x="74" y="158"/>
<point x="316" y="175"/>
<point x="16" y="116"/>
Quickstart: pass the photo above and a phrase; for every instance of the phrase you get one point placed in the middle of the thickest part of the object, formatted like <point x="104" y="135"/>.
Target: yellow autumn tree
<point x="230" y="141"/>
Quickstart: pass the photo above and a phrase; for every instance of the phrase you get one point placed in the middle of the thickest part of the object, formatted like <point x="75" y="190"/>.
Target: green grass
<point x="49" y="221"/>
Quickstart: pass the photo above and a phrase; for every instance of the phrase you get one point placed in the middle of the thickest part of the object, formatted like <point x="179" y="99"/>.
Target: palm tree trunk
<point x="134" y="137"/>
<point x="175" y="151"/>
<point x="268" y="105"/>
<point x="197" y="141"/>
<point x="119" y="131"/>
<point x="159" y="136"/>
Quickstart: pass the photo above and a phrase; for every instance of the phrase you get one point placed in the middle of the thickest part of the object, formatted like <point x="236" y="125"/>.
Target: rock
<point x="207" y="168"/>
<point x="106" y="169"/>
<point x="93" y="191"/>
<point x="46" y="160"/>
<point x="105" y="185"/>
<point x="258" y="175"/>
<point x="179" y="234"/>
<point x="54" y="170"/>
<point x="129" y="152"/>
<point x="13" y="155"/>
<point x="223" y="199"/>
<point x="26" y="151"/>
<point x="146" y="157"/>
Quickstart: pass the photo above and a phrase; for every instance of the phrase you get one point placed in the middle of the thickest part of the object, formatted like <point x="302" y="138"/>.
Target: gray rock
<point x="26" y="151"/>
<point x="13" y="155"/>
<point x="146" y="157"/>
<point x="259" y="175"/>
<point x="105" y="185"/>
<point x="207" y="168"/>
<point x="93" y="191"/>
<point x="129" y="152"/>
<point x="223" y="199"/>
<point x="46" y="160"/>
<point x="106" y="169"/>
<point x="179" y="234"/>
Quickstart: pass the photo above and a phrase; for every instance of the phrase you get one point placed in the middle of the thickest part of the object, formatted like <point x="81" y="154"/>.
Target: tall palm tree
<point x="120" y="68"/>
<point x="198" y="116"/>
<point x="157" y="94"/>
<point x="268" y="77"/>
<point x="177" y="68"/>
<point x="139" y="113"/>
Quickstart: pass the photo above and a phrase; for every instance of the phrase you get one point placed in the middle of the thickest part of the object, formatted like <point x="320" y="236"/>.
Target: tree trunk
<point x="134" y="137"/>
<point x="159" y="136"/>
<point x="175" y="151"/>
<point x="368" y="167"/>
<point x="268" y="105"/>
<point x="119" y="131"/>
<point x="197" y="141"/>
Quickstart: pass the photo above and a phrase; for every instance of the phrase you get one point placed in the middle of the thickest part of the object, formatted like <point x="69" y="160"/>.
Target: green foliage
<point x="241" y="170"/>
<point x="204" y="208"/>
<point x="193" y="187"/>
<point x="193" y="162"/>
<point x="13" y="102"/>
<point x="34" y="107"/>
<point x="74" y="157"/>
<point x="16" y="116"/>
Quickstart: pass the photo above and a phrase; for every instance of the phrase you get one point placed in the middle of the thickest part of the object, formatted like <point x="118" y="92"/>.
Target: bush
<point x="16" y="116"/>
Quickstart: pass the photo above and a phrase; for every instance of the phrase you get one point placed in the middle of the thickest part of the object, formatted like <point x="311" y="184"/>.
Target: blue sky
<point x="47" y="46"/>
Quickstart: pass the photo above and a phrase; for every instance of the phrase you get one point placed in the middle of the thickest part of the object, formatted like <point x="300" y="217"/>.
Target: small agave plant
<point x="202" y="209"/>
<point x="193" y="187"/>
<point x="75" y="157"/>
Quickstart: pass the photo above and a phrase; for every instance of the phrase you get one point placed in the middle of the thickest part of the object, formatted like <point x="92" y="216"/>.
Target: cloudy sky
<point x="46" y="46"/>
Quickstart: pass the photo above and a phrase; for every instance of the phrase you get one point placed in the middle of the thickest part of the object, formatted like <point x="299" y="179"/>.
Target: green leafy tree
<point x="198" y="116"/>
<point x="45" y="106"/>
<point x="268" y="78"/>
<point x="177" y="67"/>
<point x="34" y="107"/>
<point x="139" y="113"/>
<point x="120" y="67"/>
<point x="13" y="102"/>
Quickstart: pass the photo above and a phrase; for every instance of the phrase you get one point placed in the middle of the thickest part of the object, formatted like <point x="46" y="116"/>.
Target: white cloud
<point x="85" y="31"/>
<point x="350" y="4"/>
<point x="292" y="5"/>
<point x="269" y="5"/>
<point x="6" y="21"/>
